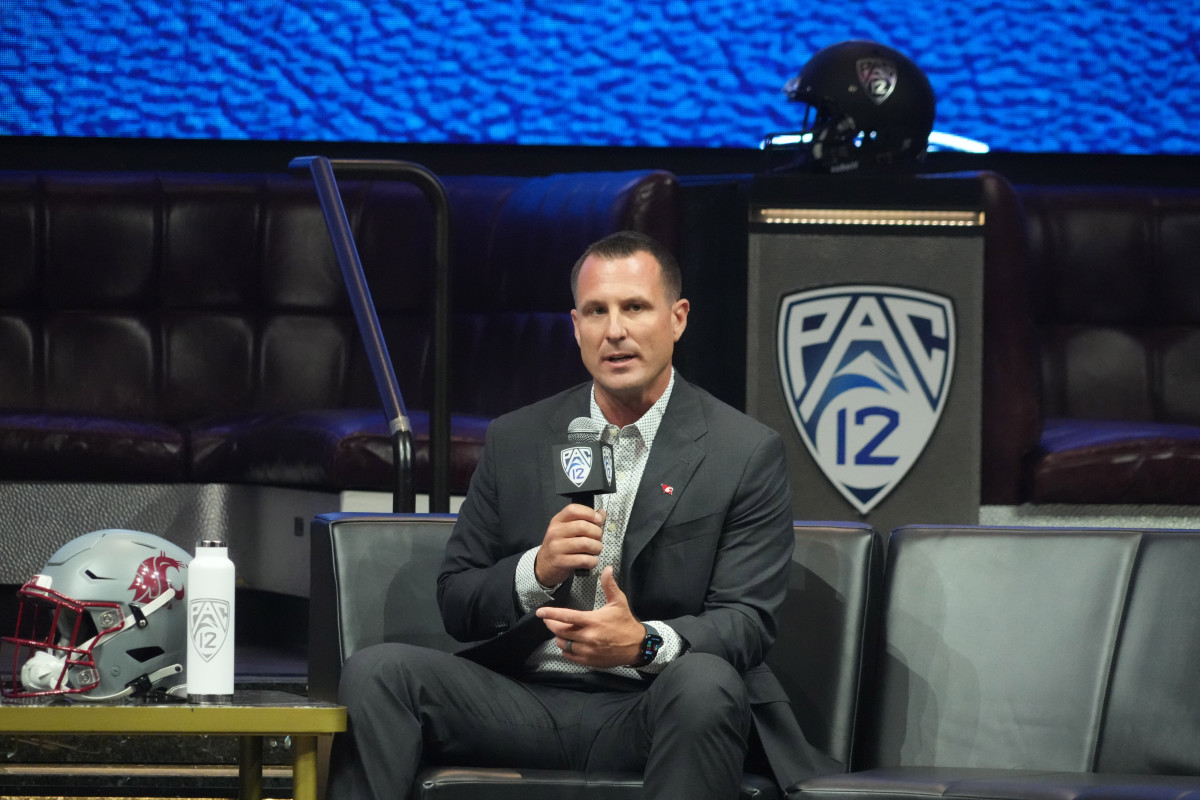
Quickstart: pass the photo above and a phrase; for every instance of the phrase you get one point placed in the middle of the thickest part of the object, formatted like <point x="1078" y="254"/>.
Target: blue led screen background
<point x="1023" y="75"/>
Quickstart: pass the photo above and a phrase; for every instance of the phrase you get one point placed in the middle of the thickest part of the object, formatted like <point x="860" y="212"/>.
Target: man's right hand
<point x="572" y="542"/>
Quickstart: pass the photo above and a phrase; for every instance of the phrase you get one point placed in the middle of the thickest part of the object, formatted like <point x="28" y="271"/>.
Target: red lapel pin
<point x="668" y="489"/>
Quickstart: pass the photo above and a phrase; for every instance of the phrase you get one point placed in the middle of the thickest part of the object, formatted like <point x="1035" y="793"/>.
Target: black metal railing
<point x="323" y="171"/>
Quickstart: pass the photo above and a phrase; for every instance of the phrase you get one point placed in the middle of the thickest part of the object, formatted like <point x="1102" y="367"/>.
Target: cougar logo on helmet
<point x="151" y="579"/>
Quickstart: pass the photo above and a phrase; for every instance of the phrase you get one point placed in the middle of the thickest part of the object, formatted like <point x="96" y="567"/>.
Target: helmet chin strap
<point x="138" y="684"/>
<point x="138" y="617"/>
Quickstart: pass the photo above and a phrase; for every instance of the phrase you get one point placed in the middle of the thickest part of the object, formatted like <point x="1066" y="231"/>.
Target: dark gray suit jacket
<point x="709" y="554"/>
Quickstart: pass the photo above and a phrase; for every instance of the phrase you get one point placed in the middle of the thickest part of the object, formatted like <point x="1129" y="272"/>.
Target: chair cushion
<point x="452" y="783"/>
<point x="1116" y="461"/>
<point x="70" y="447"/>
<point x="912" y="783"/>
<point x="333" y="449"/>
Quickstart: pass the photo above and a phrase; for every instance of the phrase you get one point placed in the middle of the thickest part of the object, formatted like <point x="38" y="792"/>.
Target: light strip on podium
<point x="861" y="216"/>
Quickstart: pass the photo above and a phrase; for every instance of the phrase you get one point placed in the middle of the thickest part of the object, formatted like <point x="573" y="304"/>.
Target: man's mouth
<point x="619" y="358"/>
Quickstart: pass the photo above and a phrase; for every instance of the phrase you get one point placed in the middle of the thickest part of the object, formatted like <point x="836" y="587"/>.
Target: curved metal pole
<point x="340" y="234"/>
<point x="439" y="414"/>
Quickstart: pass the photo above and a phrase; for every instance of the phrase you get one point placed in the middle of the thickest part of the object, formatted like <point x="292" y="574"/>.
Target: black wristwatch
<point x="649" y="647"/>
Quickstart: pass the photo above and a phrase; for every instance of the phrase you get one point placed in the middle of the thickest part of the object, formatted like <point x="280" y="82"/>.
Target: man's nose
<point x="616" y="327"/>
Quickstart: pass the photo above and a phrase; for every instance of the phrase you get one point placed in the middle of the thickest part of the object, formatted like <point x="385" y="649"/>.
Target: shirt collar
<point x="647" y="425"/>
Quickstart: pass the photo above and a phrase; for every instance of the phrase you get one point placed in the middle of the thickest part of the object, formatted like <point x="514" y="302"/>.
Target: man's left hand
<point x="609" y="636"/>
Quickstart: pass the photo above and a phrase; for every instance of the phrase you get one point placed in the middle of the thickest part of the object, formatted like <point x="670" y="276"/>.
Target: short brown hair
<point x="624" y="244"/>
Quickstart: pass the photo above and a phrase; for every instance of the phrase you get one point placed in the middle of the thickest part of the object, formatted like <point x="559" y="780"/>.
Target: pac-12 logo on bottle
<point x="865" y="371"/>
<point x="209" y="625"/>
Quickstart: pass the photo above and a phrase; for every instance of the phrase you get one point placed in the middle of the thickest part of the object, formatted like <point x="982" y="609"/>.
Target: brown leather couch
<point x="1091" y="385"/>
<point x="173" y="327"/>
<point x="178" y="354"/>
<point x="1115" y="297"/>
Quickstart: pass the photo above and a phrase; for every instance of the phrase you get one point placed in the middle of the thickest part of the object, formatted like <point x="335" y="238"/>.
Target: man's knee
<point x="703" y="689"/>
<point x="386" y="668"/>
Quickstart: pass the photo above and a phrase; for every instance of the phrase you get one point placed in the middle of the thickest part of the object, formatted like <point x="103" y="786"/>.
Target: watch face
<point x="650" y="646"/>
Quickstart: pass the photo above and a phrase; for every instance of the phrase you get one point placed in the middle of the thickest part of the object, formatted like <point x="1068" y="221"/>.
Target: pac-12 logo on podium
<point x="865" y="372"/>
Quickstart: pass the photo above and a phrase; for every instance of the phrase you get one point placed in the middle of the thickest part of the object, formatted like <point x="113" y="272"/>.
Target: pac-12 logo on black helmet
<point x="869" y="108"/>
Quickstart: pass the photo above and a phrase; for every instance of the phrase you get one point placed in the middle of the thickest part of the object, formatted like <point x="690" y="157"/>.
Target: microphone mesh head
<point x="583" y="429"/>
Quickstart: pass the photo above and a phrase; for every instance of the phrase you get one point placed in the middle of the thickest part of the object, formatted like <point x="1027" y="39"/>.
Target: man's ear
<point x="679" y="314"/>
<point x="575" y="323"/>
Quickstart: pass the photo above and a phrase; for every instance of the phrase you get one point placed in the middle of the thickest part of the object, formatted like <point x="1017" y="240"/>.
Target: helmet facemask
<point x="53" y="651"/>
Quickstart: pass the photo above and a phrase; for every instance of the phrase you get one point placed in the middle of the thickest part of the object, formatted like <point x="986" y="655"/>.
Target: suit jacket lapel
<point x="676" y="454"/>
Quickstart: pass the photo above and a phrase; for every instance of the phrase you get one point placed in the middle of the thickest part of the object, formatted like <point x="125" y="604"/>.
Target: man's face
<point x="626" y="328"/>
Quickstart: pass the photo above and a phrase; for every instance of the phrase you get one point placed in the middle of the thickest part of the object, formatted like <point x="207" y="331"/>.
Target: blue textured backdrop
<point x="1028" y="75"/>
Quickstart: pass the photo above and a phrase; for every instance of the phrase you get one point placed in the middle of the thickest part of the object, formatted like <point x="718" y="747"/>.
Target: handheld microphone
<point x="584" y="466"/>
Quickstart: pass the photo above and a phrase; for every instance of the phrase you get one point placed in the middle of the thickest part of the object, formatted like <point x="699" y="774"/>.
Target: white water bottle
<point x="210" y="587"/>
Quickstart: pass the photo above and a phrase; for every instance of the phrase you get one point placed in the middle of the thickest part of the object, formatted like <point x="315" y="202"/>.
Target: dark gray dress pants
<point x="407" y="706"/>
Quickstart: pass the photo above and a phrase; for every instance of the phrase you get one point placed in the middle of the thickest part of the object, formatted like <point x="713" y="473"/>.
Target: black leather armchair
<point x="373" y="580"/>
<point x="1032" y="663"/>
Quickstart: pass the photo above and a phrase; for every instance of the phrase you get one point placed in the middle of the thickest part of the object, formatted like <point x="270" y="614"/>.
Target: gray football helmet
<point x="105" y="619"/>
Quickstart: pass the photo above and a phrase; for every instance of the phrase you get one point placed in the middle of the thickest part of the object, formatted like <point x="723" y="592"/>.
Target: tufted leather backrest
<point x="1116" y="297"/>
<point x="174" y="296"/>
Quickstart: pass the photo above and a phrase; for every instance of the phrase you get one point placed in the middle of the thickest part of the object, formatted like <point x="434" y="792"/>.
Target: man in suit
<point x="625" y="637"/>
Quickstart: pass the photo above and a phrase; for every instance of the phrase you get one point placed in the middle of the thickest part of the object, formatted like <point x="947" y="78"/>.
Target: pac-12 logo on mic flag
<point x="865" y="371"/>
<point x="577" y="464"/>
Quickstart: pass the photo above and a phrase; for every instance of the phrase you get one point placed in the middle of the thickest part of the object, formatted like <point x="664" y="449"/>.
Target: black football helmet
<point x="869" y="108"/>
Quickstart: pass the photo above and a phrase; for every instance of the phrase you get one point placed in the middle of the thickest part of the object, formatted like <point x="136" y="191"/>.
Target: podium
<point x="864" y="342"/>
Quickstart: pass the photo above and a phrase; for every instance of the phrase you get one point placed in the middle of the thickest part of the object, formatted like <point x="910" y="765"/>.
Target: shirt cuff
<point x="672" y="648"/>
<point x="530" y="593"/>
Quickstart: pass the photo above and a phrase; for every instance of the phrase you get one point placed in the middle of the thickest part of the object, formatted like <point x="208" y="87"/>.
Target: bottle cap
<point x="210" y="543"/>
